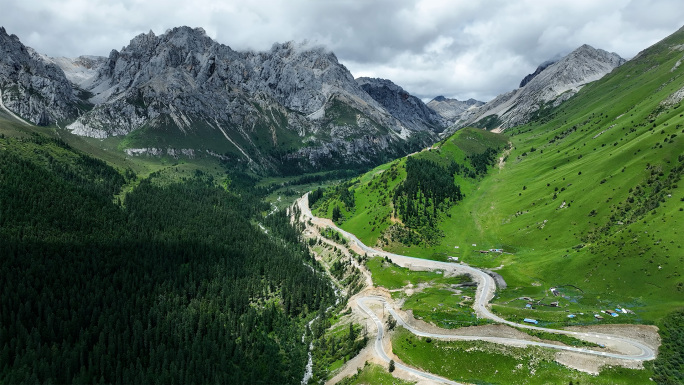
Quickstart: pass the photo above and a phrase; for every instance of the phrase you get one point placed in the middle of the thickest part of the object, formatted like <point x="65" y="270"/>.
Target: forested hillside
<point x="405" y="201"/>
<point x="174" y="284"/>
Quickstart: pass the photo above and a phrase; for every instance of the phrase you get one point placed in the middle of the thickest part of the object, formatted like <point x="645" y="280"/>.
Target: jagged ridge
<point x="407" y="108"/>
<point x="295" y="96"/>
<point x="452" y="109"/>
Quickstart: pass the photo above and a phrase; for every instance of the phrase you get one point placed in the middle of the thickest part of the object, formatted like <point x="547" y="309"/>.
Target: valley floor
<point x="625" y="345"/>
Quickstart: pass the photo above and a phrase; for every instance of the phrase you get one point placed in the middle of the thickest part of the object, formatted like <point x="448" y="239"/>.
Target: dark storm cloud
<point x="460" y="49"/>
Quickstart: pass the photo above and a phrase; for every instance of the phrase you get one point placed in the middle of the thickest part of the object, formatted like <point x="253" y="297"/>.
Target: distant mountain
<point x="294" y="106"/>
<point x="539" y="69"/>
<point x="549" y="86"/>
<point x="410" y="110"/>
<point x="35" y="89"/>
<point x="452" y="109"/>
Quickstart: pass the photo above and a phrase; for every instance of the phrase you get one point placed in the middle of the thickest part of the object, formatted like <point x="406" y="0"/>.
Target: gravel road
<point x="620" y="347"/>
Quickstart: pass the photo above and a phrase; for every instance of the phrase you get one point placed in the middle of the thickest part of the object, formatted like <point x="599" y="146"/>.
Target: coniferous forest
<point x="175" y="283"/>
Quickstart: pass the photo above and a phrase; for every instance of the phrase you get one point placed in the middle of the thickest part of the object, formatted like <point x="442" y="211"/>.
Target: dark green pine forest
<point x="172" y="283"/>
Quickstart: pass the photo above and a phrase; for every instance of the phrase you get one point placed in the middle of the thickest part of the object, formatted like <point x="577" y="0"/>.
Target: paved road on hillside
<point x="485" y="291"/>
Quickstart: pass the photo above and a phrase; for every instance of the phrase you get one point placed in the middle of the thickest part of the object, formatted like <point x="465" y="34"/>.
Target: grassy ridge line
<point x="614" y="146"/>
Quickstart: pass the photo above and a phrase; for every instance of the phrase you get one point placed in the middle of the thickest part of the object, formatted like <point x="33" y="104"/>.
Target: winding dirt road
<point x="625" y="348"/>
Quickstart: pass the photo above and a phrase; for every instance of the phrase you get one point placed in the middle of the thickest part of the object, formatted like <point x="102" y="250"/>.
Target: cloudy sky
<point x="454" y="48"/>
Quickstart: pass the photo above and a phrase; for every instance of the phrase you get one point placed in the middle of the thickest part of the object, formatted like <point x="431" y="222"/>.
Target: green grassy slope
<point x="481" y="362"/>
<point x="590" y="195"/>
<point x="366" y="202"/>
<point x="589" y="199"/>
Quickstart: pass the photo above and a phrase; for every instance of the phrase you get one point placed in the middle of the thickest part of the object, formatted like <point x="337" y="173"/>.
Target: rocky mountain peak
<point x="32" y="87"/>
<point x="539" y="69"/>
<point x="291" y="107"/>
<point x="550" y="85"/>
<point x="586" y="51"/>
<point x="377" y="82"/>
<point x="407" y="108"/>
<point x="452" y="109"/>
<point x="302" y="77"/>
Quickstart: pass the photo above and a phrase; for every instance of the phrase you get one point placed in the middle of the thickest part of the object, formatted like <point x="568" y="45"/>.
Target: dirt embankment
<point x="646" y="334"/>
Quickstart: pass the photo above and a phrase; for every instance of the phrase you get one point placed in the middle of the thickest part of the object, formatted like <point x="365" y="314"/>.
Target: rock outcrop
<point x="452" y="109"/>
<point x="539" y="69"/>
<point x="410" y="110"/>
<point x="80" y="71"/>
<point x="32" y="88"/>
<point x="551" y="86"/>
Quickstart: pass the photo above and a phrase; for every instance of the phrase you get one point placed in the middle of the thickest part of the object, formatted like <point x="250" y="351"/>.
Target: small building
<point x="528" y="306"/>
<point x="571" y="316"/>
<point x="554" y="304"/>
<point x="531" y="321"/>
<point x="598" y="317"/>
<point x="453" y="259"/>
<point x="554" y="292"/>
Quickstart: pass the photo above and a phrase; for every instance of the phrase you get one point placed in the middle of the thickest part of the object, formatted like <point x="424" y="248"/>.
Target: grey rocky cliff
<point x="534" y="74"/>
<point x="33" y="88"/>
<point x="292" y="105"/>
<point x="407" y="108"/>
<point x="452" y="109"/>
<point x="80" y="71"/>
<point x="549" y="87"/>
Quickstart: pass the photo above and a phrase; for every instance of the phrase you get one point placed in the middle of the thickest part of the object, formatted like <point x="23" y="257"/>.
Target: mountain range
<point x="292" y="108"/>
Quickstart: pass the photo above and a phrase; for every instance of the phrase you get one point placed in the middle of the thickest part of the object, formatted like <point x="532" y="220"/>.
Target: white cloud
<point x="454" y="48"/>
